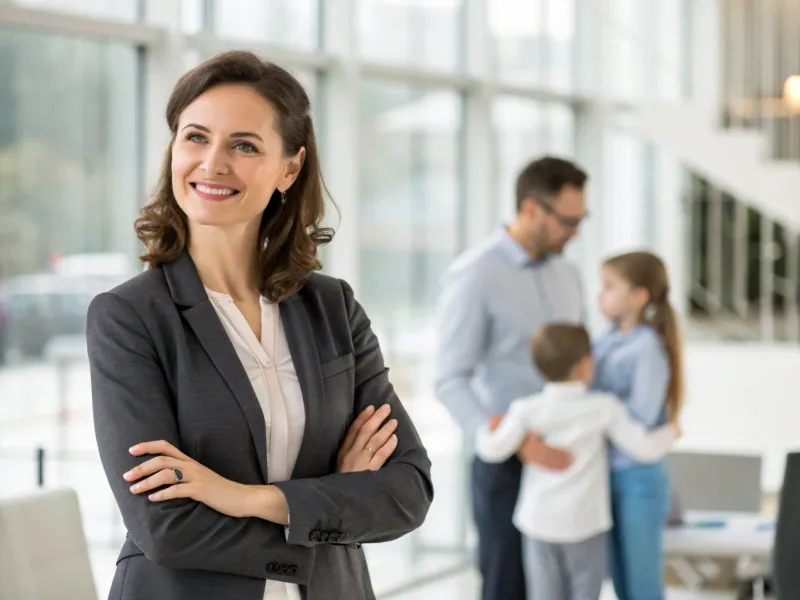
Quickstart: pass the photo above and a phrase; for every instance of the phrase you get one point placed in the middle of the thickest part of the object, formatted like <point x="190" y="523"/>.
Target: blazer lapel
<point x="303" y="349"/>
<point x="187" y="290"/>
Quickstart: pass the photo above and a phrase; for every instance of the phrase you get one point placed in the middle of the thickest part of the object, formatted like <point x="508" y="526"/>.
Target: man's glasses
<point x="566" y="221"/>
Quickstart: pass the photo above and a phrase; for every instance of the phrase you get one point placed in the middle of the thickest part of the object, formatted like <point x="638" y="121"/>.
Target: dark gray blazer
<point x="162" y="367"/>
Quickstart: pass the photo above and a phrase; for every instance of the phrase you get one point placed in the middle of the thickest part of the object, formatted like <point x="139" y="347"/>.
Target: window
<point x="121" y="10"/>
<point x="533" y="41"/>
<point x="412" y="32"/>
<point x="71" y="185"/>
<point x="625" y="196"/>
<point x="525" y="130"/>
<point x="408" y="220"/>
<point x="294" y="23"/>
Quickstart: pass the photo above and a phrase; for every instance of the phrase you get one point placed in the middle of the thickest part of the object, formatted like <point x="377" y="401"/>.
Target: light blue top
<point x="491" y="301"/>
<point x="634" y="366"/>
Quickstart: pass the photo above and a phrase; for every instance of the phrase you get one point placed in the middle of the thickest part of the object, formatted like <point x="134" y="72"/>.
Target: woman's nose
<point x="215" y="161"/>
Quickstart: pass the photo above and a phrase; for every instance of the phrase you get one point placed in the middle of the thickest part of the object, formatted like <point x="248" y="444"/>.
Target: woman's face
<point x="228" y="158"/>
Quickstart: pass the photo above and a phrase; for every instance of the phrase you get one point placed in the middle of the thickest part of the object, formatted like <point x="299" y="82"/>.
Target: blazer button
<point x="324" y="537"/>
<point x="315" y="535"/>
<point x="333" y="537"/>
<point x="283" y="569"/>
<point x="342" y="537"/>
<point x="272" y="567"/>
<point x="291" y="570"/>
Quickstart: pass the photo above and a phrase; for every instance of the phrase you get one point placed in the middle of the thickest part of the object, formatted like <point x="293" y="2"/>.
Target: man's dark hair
<point x="557" y="348"/>
<point x="546" y="177"/>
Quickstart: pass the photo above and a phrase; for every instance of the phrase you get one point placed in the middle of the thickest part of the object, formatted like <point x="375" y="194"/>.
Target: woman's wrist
<point x="267" y="502"/>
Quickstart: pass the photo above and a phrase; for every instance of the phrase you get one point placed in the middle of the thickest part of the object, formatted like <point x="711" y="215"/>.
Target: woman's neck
<point x="226" y="260"/>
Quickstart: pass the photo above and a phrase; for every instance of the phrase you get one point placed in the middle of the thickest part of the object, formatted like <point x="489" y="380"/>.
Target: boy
<point x="565" y="515"/>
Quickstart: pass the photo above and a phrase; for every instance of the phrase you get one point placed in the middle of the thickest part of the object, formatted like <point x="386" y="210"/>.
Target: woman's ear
<point x="293" y="167"/>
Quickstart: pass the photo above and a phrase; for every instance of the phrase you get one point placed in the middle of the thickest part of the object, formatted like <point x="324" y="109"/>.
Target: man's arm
<point x="463" y="332"/>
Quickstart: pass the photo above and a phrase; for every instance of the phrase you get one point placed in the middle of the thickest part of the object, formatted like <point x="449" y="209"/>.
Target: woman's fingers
<point x="353" y="430"/>
<point x="383" y="454"/>
<point x="154" y="465"/>
<point x="159" y="447"/>
<point x="381" y="436"/>
<point x="371" y="427"/>
<point x="160" y="479"/>
<point x="174" y="491"/>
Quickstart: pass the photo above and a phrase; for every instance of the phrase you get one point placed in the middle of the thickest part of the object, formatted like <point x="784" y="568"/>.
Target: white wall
<point x="744" y="398"/>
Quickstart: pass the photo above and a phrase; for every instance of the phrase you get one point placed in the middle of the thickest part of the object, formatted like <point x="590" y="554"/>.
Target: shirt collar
<point x="514" y="251"/>
<point x="565" y="389"/>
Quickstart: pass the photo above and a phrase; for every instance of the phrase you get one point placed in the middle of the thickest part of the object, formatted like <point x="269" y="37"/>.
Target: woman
<point x="226" y="378"/>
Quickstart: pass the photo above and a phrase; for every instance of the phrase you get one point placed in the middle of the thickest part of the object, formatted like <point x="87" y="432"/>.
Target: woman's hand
<point x="196" y="481"/>
<point x="368" y="445"/>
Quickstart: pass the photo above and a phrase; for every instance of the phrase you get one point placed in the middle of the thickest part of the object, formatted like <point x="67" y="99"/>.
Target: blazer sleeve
<point x="368" y="506"/>
<point x="132" y="403"/>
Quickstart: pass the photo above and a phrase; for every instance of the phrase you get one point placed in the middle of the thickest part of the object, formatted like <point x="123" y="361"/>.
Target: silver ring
<point x="178" y="474"/>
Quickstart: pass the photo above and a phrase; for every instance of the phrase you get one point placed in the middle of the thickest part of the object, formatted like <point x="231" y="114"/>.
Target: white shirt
<point x="571" y="505"/>
<point x="271" y="372"/>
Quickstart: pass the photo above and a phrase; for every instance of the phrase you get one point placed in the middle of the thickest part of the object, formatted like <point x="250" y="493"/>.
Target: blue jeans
<point x="640" y="502"/>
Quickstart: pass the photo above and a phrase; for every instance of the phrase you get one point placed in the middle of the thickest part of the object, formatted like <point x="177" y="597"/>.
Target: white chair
<point x="43" y="552"/>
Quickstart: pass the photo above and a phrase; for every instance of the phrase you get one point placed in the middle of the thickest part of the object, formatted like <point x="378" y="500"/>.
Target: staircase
<point x="736" y="160"/>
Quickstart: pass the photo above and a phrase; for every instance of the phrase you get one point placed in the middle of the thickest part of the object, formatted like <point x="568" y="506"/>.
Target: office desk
<point x="719" y="549"/>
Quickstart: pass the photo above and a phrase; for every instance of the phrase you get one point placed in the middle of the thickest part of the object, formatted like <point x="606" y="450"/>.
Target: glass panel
<point x="122" y="10"/>
<point x="69" y="195"/>
<point x="516" y="32"/>
<point x="624" y="191"/>
<point x="533" y="41"/>
<point x="525" y="130"/>
<point x="560" y="40"/>
<point x="192" y="16"/>
<point x="294" y="23"/>
<point x="643" y="54"/>
<point x="409" y="229"/>
<point x="411" y="32"/>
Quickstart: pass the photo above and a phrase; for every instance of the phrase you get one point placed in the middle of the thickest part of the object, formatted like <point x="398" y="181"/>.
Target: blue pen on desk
<point x="711" y="524"/>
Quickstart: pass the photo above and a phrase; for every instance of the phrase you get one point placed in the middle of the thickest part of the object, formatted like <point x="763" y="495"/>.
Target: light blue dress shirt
<point x="492" y="299"/>
<point x="634" y="366"/>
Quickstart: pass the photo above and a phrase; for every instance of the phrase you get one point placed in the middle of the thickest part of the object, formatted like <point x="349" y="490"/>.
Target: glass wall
<point x="71" y="177"/>
<point x="408" y="216"/>
<point x="417" y="140"/>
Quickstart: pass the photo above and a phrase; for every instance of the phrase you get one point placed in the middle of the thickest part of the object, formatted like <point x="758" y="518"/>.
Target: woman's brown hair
<point x="290" y="232"/>
<point x="647" y="271"/>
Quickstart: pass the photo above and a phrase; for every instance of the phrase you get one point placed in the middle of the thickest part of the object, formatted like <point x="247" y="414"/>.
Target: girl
<point x="639" y="360"/>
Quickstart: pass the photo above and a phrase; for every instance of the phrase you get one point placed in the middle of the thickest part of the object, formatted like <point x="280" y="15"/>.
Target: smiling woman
<point x="232" y="386"/>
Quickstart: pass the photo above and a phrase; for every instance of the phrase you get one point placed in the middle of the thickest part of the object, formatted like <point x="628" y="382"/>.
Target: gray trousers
<point x="573" y="571"/>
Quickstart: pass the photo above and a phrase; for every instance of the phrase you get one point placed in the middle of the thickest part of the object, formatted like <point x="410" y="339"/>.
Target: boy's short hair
<point x="557" y="347"/>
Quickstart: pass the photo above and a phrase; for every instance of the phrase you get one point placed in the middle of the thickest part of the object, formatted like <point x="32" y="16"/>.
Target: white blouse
<point x="271" y="372"/>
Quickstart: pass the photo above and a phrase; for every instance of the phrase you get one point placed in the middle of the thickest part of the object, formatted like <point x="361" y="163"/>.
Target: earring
<point x="283" y="197"/>
<point x="650" y="312"/>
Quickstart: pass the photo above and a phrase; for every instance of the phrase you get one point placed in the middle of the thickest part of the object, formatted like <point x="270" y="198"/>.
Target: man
<point x="492" y="300"/>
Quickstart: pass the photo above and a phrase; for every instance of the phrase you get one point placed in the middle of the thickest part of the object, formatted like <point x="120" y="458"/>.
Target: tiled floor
<point x="464" y="586"/>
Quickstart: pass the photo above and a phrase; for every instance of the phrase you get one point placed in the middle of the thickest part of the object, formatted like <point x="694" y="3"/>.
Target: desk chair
<point x="43" y="549"/>
<point x="786" y="555"/>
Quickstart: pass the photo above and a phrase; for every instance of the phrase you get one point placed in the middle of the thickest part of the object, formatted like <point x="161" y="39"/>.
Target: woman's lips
<point x="214" y="192"/>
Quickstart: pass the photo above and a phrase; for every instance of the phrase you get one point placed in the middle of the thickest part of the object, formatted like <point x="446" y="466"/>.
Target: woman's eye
<point x="245" y="147"/>
<point x="195" y="137"/>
